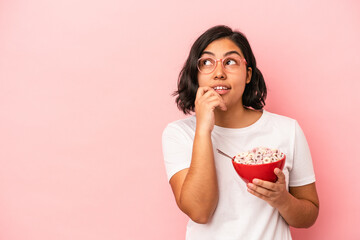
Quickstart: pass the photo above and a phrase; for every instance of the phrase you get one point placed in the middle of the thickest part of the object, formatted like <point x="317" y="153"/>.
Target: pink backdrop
<point x="85" y="94"/>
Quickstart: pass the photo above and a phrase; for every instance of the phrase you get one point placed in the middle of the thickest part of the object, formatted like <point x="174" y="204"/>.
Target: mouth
<point x="221" y="89"/>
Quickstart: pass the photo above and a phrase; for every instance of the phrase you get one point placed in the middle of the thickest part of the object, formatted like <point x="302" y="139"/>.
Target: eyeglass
<point x="207" y="65"/>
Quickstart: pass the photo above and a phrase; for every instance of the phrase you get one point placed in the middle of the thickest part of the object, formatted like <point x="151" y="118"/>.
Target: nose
<point x="219" y="72"/>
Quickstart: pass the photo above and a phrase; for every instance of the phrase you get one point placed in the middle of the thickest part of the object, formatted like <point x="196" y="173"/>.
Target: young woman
<point x="221" y="83"/>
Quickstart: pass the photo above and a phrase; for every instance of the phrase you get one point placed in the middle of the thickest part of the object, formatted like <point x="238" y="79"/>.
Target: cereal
<point x="266" y="160"/>
<point x="259" y="155"/>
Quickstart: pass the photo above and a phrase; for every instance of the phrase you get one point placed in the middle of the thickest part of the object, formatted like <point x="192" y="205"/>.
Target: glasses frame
<point x="216" y="62"/>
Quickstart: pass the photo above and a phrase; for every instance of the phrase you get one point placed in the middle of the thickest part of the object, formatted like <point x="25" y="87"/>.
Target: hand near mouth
<point x="207" y="99"/>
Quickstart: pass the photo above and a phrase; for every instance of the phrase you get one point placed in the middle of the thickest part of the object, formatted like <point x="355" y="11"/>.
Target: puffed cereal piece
<point x="267" y="160"/>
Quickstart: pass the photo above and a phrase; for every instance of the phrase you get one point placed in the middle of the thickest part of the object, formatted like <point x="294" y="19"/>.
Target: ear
<point x="248" y="75"/>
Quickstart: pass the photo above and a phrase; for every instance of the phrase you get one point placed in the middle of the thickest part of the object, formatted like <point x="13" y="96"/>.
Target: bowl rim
<point x="258" y="164"/>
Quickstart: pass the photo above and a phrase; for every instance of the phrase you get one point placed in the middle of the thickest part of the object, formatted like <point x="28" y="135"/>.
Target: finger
<point x="218" y="101"/>
<point x="214" y="102"/>
<point x="258" y="191"/>
<point x="280" y="175"/>
<point x="202" y="94"/>
<point x="206" y="92"/>
<point x="212" y="98"/>
<point x="222" y="104"/>
<point x="202" y="90"/>
<point x="209" y="93"/>
<point x="264" y="184"/>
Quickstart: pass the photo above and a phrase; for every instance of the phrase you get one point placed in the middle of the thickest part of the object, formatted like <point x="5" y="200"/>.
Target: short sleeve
<point x="302" y="172"/>
<point x="177" y="149"/>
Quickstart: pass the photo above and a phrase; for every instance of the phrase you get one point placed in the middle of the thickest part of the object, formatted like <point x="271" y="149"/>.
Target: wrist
<point x="286" y="204"/>
<point x="205" y="132"/>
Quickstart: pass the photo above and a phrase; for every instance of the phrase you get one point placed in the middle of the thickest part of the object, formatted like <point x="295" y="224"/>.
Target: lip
<point x="221" y="91"/>
<point x="220" y="85"/>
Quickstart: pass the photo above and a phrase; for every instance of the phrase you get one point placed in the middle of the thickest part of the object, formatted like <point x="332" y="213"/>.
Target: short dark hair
<point x="255" y="91"/>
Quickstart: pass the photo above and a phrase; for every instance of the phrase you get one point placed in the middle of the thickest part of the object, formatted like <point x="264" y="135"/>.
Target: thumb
<point x="223" y="106"/>
<point x="280" y="175"/>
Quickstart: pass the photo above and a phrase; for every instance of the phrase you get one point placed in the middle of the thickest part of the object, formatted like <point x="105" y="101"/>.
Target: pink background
<point x="85" y="95"/>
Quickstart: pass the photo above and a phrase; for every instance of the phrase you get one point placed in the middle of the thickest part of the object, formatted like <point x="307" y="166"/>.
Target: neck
<point x="236" y="117"/>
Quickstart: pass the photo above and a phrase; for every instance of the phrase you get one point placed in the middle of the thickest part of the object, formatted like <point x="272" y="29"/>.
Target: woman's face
<point x="233" y="81"/>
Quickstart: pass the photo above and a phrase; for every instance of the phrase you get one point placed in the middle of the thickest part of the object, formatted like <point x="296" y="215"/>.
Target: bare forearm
<point x="199" y="194"/>
<point x="299" y="213"/>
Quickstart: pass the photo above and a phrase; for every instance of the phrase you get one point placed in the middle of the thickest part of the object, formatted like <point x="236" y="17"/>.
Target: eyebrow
<point x="226" y="54"/>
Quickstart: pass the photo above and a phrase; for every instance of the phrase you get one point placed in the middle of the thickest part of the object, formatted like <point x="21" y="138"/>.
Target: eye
<point x="207" y="62"/>
<point x="231" y="61"/>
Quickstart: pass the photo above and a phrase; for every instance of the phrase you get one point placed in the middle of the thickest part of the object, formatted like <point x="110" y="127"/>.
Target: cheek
<point x="239" y="83"/>
<point x="201" y="81"/>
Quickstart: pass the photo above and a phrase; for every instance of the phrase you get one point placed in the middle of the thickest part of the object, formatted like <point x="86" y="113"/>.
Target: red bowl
<point x="261" y="171"/>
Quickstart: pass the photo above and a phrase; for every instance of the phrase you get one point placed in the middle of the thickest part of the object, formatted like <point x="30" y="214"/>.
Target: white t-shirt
<point x="239" y="214"/>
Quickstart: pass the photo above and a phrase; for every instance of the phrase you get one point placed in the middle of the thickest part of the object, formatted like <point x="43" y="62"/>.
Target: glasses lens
<point x="232" y="63"/>
<point x="206" y="65"/>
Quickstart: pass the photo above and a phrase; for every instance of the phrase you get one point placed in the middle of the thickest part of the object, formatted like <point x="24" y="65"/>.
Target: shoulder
<point x="186" y="125"/>
<point x="279" y="120"/>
